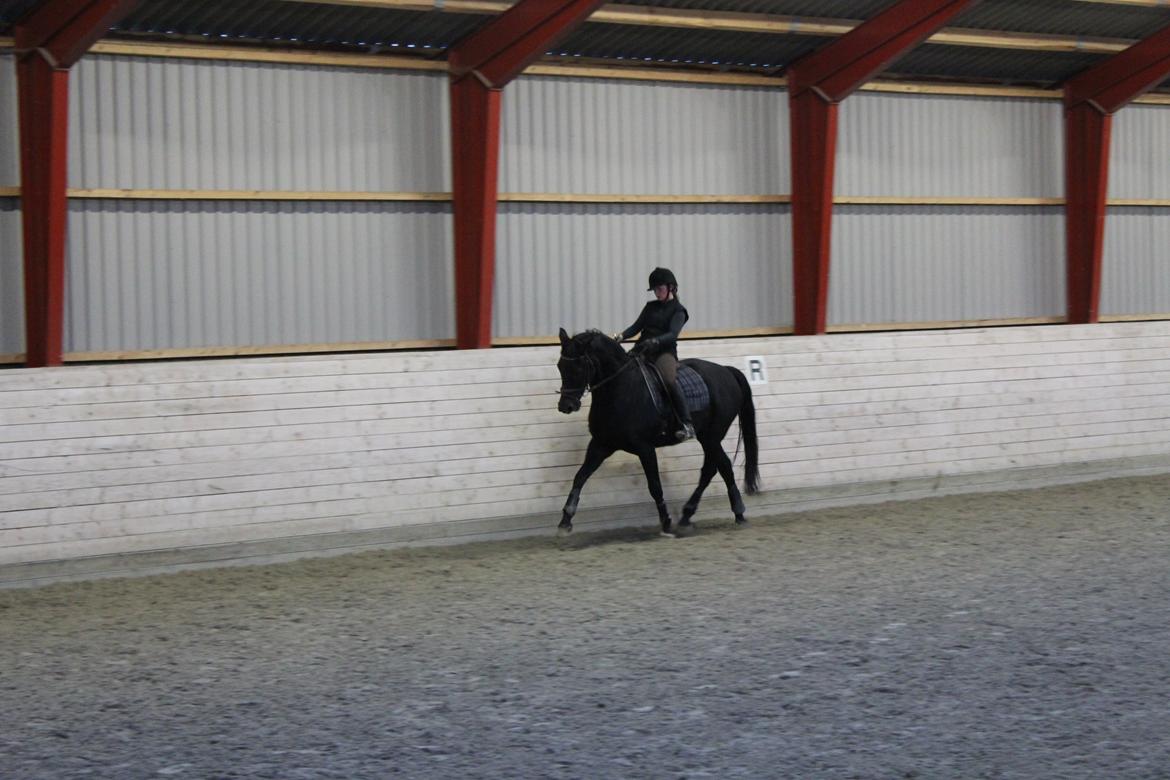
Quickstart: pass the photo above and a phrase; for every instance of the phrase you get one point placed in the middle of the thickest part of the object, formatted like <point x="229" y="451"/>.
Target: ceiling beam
<point x="1114" y="82"/>
<point x="649" y="16"/>
<point x="63" y="30"/>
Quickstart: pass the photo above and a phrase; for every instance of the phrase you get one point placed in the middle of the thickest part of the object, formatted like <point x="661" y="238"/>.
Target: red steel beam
<point x="1086" y="175"/>
<point x="63" y="30"/>
<point x="475" y="143"/>
<point x="49" y="40"/>
<point x="1090" y="100"/>
<point x="43" y="101"/>
<point x="481" y="66"/>
<point x="816" y="84"/>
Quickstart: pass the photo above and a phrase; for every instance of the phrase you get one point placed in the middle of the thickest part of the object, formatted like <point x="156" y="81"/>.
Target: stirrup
<point x="686" y="433"/>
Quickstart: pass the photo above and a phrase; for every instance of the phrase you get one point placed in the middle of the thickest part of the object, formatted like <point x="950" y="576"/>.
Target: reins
<point x="593" y="368"/>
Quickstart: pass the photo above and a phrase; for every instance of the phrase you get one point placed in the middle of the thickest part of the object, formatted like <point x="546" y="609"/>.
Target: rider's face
<point x="661" y="292"/>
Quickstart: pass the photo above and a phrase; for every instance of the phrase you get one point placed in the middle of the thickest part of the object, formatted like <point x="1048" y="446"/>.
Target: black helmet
<point x="662" y="276"/>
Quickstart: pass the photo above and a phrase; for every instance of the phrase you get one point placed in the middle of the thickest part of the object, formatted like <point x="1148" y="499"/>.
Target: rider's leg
<point x="668" y="366"/>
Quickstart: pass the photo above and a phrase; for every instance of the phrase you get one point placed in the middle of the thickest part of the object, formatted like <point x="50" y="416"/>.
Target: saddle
<point x="693" y="388"/>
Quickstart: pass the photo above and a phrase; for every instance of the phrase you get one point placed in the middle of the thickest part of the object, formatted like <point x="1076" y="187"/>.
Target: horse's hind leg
<point x="705" y="476"/>
<point x="595" y="455"/>
<point x="728" y="473"/>
<point x="653" y="481"/>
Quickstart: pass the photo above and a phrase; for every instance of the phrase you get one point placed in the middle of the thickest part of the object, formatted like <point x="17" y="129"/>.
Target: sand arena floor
<point x="1010" y="635"/>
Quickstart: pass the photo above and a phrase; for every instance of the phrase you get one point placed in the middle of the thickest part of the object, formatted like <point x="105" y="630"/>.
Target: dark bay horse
<point x="624" y="416"/>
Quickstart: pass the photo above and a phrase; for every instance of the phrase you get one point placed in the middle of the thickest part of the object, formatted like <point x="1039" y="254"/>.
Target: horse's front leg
<point x="650" y="465"/>
<point x="595" y="455"/>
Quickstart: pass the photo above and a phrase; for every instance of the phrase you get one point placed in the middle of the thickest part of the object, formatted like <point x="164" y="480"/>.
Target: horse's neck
<point x="608" y="365"/>
<point x="616" y="379"/>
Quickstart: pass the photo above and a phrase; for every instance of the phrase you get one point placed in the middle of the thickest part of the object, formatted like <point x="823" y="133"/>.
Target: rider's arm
<point x="635" y="328"/>
<point x="676" y="325"/>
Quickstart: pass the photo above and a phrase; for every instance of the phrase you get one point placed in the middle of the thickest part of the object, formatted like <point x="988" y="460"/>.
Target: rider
<point x="659" y="324"/>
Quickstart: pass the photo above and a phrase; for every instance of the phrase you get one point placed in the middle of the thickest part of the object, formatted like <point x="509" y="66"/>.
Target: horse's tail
<point x="747" y="429"/>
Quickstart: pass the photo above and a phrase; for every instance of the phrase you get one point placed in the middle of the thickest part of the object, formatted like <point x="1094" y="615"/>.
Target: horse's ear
<point x="564" y="337"/>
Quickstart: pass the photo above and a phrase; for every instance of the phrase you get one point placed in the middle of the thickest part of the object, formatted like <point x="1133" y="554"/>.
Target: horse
<point x="625" y="416"/>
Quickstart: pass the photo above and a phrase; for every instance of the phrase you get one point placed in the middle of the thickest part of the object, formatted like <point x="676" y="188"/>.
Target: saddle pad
<point x="693" y="387"/>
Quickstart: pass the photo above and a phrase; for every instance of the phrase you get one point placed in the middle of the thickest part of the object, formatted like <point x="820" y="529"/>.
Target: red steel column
<point x="44" y="102"/>
<point x="475" y="144"/>
<point x="1086" y="176"/>
<point x="813" y="141"/>
<point x="1090" y="100"/>
<point x="49" y="40"/>
<point x="816" y="84"/>
<point x="481" y="66"/>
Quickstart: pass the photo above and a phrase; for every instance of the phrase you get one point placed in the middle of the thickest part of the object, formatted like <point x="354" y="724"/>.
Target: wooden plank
<point x="504" y="197"/>
<point x="110" y="193"/>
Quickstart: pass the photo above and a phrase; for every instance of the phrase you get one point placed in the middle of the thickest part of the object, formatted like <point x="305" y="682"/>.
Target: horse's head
<point x="578" y="370"/>
<point x="589" y="359"/>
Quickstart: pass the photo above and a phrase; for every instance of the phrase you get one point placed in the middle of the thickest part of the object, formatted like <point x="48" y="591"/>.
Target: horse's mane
<point x="602" y="345"/>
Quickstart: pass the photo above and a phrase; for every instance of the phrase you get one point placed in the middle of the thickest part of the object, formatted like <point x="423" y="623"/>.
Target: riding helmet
<point x="662" y="276"/>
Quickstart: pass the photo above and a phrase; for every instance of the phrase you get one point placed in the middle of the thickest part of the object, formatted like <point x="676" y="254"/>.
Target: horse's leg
<point x="705" y="476"/>
<point x="728" y="473"/>
<point x="654" y="482"/>
<point x="595" y="455"/>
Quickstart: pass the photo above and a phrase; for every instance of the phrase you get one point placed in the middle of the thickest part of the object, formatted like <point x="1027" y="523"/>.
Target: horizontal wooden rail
<point x="102" y="193"/>
<point x="563" y="197"/>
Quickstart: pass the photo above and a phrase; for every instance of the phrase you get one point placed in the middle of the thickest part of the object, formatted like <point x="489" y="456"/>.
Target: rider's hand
<point x="619" y="338"/>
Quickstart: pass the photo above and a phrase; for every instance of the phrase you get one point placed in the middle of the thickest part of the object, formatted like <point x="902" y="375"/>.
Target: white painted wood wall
<point x="140" y="467"/>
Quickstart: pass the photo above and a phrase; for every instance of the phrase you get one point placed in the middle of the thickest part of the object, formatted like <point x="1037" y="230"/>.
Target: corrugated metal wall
<point x="11" y="280"/>
<point x="1135" y="274"/>
<point x="11" y="286"/>
<point x="1139" y="159"/>
<point x="186" y="274"/>
<point x="898" y="264"/>
<point x="158" y="275"/>
<point x="9" y="138"/>
<point x="155" y="275"/>
<point x="942" y="146"/>
<point x="1134" y="278"/>
<point x="925" y="264"/>
<point x="180" y="124"/>
<point x="585" y="266"/>
<point x="620" y="137"/>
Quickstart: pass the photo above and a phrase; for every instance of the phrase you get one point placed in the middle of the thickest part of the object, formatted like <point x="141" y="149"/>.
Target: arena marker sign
<point x="756" y="370"/>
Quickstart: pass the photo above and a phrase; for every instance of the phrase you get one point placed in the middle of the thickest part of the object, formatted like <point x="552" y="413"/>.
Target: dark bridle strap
<point x="593" y="369"/>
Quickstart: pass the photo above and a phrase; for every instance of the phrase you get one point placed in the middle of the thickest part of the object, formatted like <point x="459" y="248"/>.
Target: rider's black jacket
<point x="660" y="320"/>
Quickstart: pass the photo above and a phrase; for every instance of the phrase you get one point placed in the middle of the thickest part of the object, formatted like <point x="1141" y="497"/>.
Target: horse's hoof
<point x="685" y="529"/>
<point x="564" y="530"/>
<point x="667" y="535"/>
<point x="740" y="521"/>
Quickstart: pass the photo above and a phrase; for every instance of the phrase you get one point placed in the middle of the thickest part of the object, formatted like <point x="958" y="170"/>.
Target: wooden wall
<point x="112" y="469"/>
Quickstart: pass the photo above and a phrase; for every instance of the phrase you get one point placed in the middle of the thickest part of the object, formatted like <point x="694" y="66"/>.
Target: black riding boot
<point x="684" y="414"/>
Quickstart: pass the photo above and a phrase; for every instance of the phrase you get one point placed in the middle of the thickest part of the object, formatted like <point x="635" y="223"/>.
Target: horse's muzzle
<point x="569" y="405"/>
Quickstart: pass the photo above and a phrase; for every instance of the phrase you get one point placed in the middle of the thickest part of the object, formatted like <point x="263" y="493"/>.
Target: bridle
<point x="594" y="368"/>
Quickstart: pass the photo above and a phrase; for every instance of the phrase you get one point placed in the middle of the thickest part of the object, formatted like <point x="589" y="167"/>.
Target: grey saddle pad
<point x="692" y="385"/>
